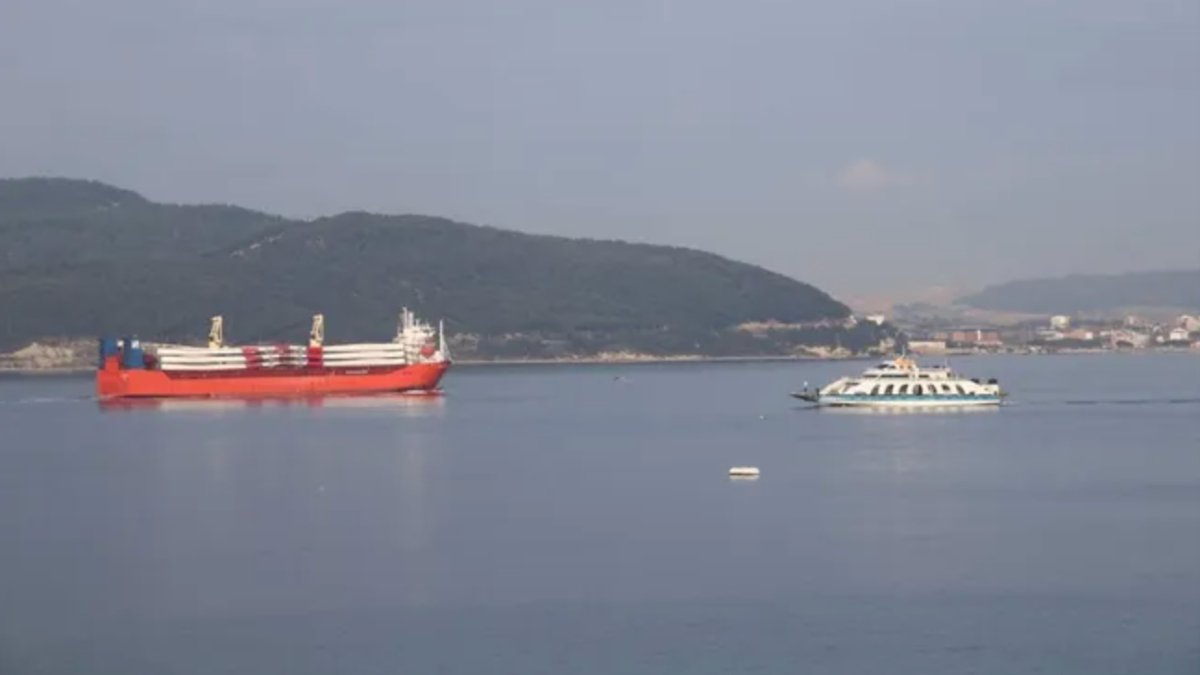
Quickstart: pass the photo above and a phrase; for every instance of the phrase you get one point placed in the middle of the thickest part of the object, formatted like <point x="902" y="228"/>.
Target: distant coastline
<point x="6" y="371"/>
<point x="77" y="355"/>
<point x="81" y="369"/>
<point x="648" y="359"/>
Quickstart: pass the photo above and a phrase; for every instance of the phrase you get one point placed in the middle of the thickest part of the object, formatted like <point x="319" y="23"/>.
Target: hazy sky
<point x="863" y="145"/>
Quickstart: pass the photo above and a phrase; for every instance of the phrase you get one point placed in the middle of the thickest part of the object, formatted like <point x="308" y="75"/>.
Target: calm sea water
<point x="579" y="520"/>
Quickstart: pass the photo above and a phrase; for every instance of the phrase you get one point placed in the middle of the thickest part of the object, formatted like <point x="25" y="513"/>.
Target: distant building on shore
<point x="1080" y="334"/>
<point x="1060" y="322"/>
<point x="1179" y="336"/>
<point x="927" y="346"/>
<point x="1049" y="335"/>
<point x="1128" y="339"/>
<point x="985" y="338"/>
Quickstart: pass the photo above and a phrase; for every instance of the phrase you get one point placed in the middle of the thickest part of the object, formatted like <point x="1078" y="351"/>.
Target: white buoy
<point x="744" y="471"/>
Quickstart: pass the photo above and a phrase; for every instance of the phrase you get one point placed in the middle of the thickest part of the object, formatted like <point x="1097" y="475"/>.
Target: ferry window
<point x="903" y="389"/>
<point x="946" y="388"/>
<point x="917" y="390"/>
<point x="961" y="391"/>
<point x="875" y="390"/>
<point x="888" y="390"/>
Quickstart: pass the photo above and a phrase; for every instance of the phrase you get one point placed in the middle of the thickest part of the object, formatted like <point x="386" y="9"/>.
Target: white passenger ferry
<point x="901" y="383"/>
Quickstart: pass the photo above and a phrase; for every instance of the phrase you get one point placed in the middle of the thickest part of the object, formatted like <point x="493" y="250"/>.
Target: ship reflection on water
<point x="408" y="404"/>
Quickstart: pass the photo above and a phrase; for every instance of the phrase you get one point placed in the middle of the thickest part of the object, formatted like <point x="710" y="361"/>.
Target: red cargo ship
<point x="414" y="362"/>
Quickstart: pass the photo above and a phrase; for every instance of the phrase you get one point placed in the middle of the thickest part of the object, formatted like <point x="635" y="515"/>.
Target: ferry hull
<point x="113" y="382"/>
<point x="909" y="402"/>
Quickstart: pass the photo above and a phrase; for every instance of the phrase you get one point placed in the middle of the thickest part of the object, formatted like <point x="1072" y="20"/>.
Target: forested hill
<point x="81" y="258"/>
<point x="1092" y="293"/>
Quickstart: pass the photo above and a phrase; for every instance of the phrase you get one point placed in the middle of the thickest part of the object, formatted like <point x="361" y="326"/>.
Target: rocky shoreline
<point x="51" y="356"/>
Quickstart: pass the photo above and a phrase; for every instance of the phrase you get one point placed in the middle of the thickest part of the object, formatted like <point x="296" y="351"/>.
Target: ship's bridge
<point x="905" y="369"/>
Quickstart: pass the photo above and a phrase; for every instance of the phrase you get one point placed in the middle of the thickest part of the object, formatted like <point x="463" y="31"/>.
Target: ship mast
<point x="442" y="347"/>
<point x="316" y="336"/>
<point x="216" y="333"/>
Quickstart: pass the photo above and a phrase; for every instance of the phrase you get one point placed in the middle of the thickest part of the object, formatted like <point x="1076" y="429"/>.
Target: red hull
<point x="115" y="382"/>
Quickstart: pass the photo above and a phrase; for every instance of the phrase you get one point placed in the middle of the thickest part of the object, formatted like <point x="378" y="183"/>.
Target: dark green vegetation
<point x="1092" y="293"/>
<point x="82" y="258"/>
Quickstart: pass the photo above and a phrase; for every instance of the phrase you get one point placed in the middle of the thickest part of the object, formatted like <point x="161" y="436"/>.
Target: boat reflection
<point x="407" y="403"/>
